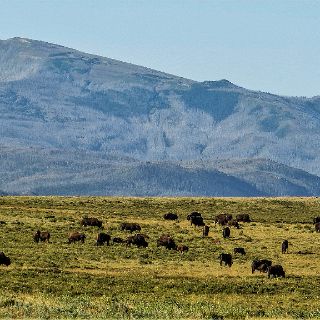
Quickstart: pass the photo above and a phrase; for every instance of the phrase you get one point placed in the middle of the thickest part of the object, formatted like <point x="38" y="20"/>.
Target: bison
<point x="284" y="246"/>
<point x="243" y="217"/>
<point x="260" y="265"/>
<point x="41" y="236"/>
<point x="317" y="227"/>
<point x="166" y="241"/>
<point x="170" y="216"/>
<point x="182" y="248"/>
<point x="93" y="222"/>
<point x="239" y="250"/>
<point x="138" y="240"/>
<point x="226" y="232"/>
<point x="226" y="258"/>
<point x="316" y="220"/>
<point x="205" y="231"/>
<point x="197" y="221"/>
<point x="103" y="238"/>
<point x="4" y="259"/>
<point x="128" y="226"/>
<point x="276" y="271"/>
<point x="193" y="214"/>
<point x="76" y="236"/>
<point x="223" y="218"/>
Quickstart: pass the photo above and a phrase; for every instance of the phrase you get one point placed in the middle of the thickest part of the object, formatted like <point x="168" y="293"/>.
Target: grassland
<point x="58" y="280"/>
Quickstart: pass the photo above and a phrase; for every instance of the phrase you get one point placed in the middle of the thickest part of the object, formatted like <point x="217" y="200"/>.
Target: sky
<point x="265" y="45"/>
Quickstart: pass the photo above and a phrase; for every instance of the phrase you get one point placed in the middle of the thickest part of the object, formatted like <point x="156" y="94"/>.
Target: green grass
<point x="58" y="280"/>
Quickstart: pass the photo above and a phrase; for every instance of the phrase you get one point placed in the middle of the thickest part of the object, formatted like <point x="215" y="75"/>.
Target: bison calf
<point x="4" y="259"/>
<point x="226" y="258"/>
<point x="117" y="240"/>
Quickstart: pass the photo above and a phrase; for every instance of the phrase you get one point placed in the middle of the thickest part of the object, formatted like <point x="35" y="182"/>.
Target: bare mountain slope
<point x="56" y="98"/>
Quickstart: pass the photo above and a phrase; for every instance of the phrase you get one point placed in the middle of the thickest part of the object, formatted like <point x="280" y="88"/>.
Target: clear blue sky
<point x="264" y="45"/>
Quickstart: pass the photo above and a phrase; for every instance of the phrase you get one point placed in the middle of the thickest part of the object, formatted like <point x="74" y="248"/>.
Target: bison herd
<point x="167" y="241"/>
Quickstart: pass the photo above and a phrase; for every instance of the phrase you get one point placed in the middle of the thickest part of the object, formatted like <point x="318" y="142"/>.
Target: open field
<point x="61" y="280"/>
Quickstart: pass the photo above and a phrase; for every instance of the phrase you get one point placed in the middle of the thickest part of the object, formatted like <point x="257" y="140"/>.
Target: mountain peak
<point x="223" y="83"/>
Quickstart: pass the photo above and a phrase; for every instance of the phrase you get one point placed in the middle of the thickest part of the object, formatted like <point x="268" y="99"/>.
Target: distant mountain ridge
<point x="57" y="103"/>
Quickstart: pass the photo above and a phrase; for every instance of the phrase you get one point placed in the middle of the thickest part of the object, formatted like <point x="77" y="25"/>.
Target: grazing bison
<point x="166" y="241"/>
<point x="317" y="226"/>
<point x="76" y="236"/>
<point x="226" y="258"/>
<point x="117" y="240"/>
<point x="260" y="265"/>
<point x="239" y="250"/>
<point x="128" y="226"/>
<point x="103" y="238"/>
<point x="193" y="214"/>
<point x="223" y="218"/>
<point x="4" y="259"/>
<point x="41" y="236"/>
<point x="170" y="216"/>
<point x="197" y="221"/>
<point x="316" y="220"/>
<point x="93" y="222"/>
<point x="243" y="217"/>
<point x="182" y="248"/>
<point x="138" y="240"/>
<point x="284" y="246"/>
<point x="205" y="231"/>
<point x="276" y="271"/>
<point x="226" y="232"/>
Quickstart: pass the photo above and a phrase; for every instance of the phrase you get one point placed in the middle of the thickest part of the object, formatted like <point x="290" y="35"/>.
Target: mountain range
<point x="79" y="124"/>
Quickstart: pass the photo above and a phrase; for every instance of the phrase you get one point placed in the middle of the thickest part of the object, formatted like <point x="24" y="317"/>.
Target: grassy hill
<point x="58" y="280"/>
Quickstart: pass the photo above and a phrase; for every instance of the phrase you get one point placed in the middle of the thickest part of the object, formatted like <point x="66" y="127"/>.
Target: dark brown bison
<point x="41" y="236"/>
<point x="103" y="238"/>
<point x="128" y="226"/>
<point x="4" y="259"/>
<point x="138" y="240"/>
<point x="93" y="222"/>
<point x="182" y="248"/>
<point x="76" y="236"/>
<point x="317" y="227"/>
<point x="239" y="250"/>
<point x="197" y="221"/>
<point x="243" y="217"/>
<point x="205" y="231"/>
<point x="166" y="241"/>
<point x="260" y="265"/>
<point x="223" y="218"/>
<point x="226" y="258"/>
<point x="316" y="220"/>
<point x="226" y="232"/>
<point x="284" y="246"/>
<point x="117" y="240"/>
<point x="170" y="216"/>
<point x="193" y="214"/>
<point x="276" y="271"/>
